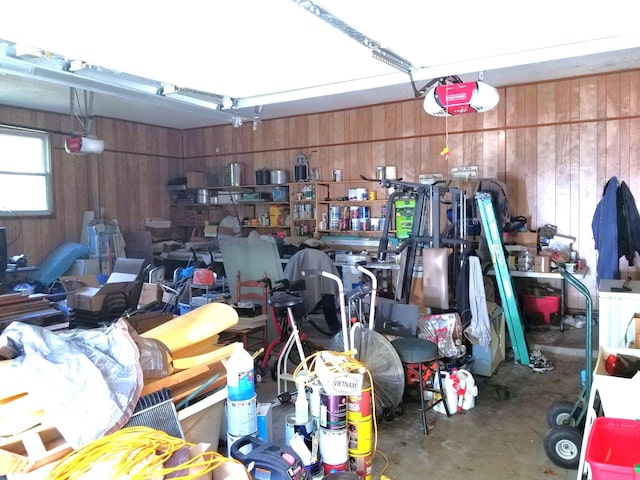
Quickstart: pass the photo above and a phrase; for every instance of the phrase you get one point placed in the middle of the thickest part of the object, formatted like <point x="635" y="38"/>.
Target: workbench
<point x="547" y="276"/>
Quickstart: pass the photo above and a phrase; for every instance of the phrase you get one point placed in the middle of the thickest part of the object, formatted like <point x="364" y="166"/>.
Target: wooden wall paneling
<point x="563" y="180"/>
<point x="529" y="177"/>
<point x="623" y="140"/>
<point x="514" y="167"/>
<point x="378" y="122"/>
<point x="612" y="148"/>
<point x="545" y="99"/>
<point x="407" y="118"/>
<point x="563" y="101"/>
<point x="612" y="84"/>
<point x="544" y="186"/>
<point x="634" y="155"/>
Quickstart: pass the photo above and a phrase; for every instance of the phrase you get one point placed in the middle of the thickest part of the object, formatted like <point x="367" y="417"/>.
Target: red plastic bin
<point x="613" y="449"/>
<point x="546" y="305"/>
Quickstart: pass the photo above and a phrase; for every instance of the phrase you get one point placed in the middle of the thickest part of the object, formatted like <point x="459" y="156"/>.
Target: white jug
<point x="450" y="394"/>
<point x="467" y="400"/>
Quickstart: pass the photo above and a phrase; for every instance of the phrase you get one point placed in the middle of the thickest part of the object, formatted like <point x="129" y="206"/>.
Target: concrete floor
<point x="501" y="438"/>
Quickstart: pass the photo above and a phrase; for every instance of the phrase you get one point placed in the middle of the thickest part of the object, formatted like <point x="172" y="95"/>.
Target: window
<point x="25" y="174"/>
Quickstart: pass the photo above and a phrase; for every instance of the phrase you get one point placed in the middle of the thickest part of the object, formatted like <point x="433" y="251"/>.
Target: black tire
<point x="294" y="356"/>
<point x="388" y="414"/>
<point x="562" y="444"/>
<point x="559" y="413"/>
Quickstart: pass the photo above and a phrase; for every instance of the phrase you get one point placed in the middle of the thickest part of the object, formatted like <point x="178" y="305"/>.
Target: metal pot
<point x="263" y="176"/>
<point x="235" y="174"/>
<point x="279" y="177"/>
<point x="202" y="196"/>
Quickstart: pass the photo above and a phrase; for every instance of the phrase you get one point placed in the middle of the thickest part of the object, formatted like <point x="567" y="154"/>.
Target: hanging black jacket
<point x="628" y="224"/>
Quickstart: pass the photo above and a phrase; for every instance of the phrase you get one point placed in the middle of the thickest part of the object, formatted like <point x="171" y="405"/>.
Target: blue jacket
<point x="605" y="232"/>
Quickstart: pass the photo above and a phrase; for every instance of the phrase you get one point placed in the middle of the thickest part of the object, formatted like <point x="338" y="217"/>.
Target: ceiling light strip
<point x="55" y="69"/>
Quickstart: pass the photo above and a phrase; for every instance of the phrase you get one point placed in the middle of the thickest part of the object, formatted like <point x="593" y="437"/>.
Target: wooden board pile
<point x="36" y="309"/>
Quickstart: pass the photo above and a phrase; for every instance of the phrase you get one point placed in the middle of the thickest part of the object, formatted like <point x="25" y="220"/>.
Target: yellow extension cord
<point x="135" y="453"/>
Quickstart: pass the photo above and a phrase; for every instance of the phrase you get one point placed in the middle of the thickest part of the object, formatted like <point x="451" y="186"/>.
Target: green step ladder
<point x="503" y="278"/>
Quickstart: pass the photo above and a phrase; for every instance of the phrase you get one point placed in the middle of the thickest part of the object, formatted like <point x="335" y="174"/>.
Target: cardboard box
<point x="265" y="422"/>
<point x="146" y="321"/>
<point x="617" y="394"/>
<point x="151" y="292"/>
<point x="527" y="238"/>
<point x="542" y="264"/>
<point x="91" y="299"/>
<point x="85" y="292"/>
<point x="487" y="359"/>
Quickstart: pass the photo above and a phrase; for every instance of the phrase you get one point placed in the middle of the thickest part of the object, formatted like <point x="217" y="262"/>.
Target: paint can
<point x="364" y="212"/>
<point x="380" y="173"/>
<point x="303" y="429"/>
<point x="360" y="437"/>
<point x="354" y="212"/>
<point x="336" y="175"/>
<point x="333" y="446"/>
<point x="360" y="407"/>
<point x="362" y="465"/>
<point x="355" y="224"/>
<point x="334" y="212"/>
<point x="333" y="411"/>
<point x="242" y="416"/>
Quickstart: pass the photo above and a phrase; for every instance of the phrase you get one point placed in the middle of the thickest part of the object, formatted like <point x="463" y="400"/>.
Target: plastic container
<point x="240" y="374"/>
<point x="613" y="449"/>
<point x="545" y="305"/>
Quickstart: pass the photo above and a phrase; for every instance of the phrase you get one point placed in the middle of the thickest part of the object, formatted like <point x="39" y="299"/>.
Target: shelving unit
<point x="305" y="199"/>
<point x="353" y="207"/>
<point x="299" y="210"/>
<point x="252" y="202"/>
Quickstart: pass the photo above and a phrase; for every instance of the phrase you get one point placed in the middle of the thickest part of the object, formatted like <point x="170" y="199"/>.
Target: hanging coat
<point x="628" y="224"/>
<point x="605" y="232"/>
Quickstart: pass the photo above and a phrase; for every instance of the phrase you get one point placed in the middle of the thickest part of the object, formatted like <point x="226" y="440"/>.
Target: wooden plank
<point x="187" y="377"/>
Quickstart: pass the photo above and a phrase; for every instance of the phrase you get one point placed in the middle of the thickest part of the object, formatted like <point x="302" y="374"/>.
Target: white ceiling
<point x="276" y="56"/>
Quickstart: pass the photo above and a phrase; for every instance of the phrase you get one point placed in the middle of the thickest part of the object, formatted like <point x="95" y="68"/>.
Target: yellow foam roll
<point x="202" y="357"/>
<point x="195" y="326"/>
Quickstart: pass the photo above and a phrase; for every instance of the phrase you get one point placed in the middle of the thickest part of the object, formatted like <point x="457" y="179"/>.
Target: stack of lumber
<point x="35" y="309"/>
<point x="196" y="359"/>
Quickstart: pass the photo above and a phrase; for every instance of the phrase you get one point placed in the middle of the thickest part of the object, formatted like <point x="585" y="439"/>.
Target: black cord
<point x="19" y="224"/>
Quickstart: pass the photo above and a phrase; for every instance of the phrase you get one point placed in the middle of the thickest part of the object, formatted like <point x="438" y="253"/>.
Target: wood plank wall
<point x="126" y="182"/>
<point x="554" y="144"/>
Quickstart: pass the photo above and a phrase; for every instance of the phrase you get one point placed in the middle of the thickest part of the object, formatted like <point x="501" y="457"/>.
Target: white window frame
<point x="13" y="210"/>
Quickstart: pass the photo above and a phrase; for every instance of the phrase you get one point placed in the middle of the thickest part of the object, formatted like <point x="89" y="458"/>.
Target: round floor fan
<point x="380" y="358"/>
